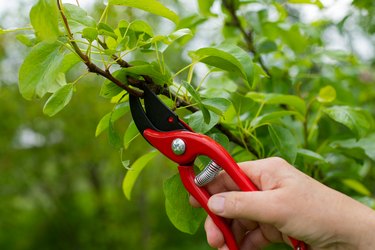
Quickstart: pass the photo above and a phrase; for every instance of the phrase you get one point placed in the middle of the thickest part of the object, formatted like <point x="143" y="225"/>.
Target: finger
<point x="255" y="240"/>
<point x="225" y="247"/>
<point x="254" y="206"/>
<point x="193" y="202"/>
<point x="263" y="173"/>
<point x="266" y="173"/>
<point x="222" y="183"/>
<point x="214" y="236"/>
<point x="239" y="229"/>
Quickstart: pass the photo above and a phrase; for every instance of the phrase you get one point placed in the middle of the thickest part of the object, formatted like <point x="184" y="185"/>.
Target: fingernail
<point x="216" y="204"/>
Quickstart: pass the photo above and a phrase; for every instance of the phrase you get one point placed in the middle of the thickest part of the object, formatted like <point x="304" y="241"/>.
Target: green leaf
<point x="222" y="139"/>
<point x="130" y="134"/>
<point x="327" y="94"/>
<point x="40" y="70"/>
<point x="181" y="33"/>
<point x="356" y="186"/>
<point x="311" y="155"/>
<point x="58" y="100"/>
<point x="141" y="26"/>
<point x="205" y="7"/>
<point x="284" y="141"/>
<point x="196" y="122"/>
<point x="152" y="6"/>
<point x="192" y="91"/>
<point x="271" y="117"/>
<point x="227" y="57"/>
<point x="134" y="171"/>
<point x="217" y="105"/>
<point x="113" y="136"/>
<point x="221" y="86"/>
<point x="190" y="22"/>
<point x="267" y="46"/>
<point x="294" y="38"/>
<point x="196" y="97"/>
<point x="69" y="61"/>
<point x="28" y="40"/>
<point x="90" y="34"/>
<point x="353" y="118"/>
<point x="109" y="89"/>
<point x="273" y="98"/>
<point x="119" y="110"/>
<point x="106" y="30"/>
<point x="44" y="19"/>
<point x="77" y="15"/>
<point x="367" y="144"/>
<point x="183" y="216"/>
<point x="153" y="70"/>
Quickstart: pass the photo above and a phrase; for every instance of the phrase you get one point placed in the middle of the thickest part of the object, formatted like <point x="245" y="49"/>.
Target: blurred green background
<point x="60" y="185"/>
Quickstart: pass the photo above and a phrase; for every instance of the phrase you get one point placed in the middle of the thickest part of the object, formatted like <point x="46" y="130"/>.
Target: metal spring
<point x="208" y="174"/>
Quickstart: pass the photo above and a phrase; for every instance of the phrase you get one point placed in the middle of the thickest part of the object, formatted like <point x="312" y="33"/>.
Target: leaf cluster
<point x="266" y="83"/>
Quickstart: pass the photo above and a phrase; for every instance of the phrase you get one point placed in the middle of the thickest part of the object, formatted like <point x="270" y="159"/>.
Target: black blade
<point x="159" y="114"/>
<point x="139" y="115"/>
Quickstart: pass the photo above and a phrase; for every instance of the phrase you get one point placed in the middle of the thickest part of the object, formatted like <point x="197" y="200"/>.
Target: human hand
<point x="290" y="204"/>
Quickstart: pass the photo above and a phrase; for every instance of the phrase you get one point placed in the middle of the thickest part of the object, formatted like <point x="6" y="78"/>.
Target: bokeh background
<point x="60" y="186"/>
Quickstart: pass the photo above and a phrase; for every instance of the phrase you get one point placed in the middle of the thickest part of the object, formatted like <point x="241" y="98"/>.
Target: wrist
<point x="366" y="236"/>
<point x="360" y="226"/>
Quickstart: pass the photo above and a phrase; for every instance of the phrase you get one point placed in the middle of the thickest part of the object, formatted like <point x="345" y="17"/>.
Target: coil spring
<point x="208" y="174"/>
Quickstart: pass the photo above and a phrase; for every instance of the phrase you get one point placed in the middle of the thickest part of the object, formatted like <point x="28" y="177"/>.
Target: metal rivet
<point x="178" y="146"/>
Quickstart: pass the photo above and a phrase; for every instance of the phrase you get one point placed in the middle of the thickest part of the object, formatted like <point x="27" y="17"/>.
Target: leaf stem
<point x="90" y="65"/>
<point x="183" y="69"/>
<point x="136" y="82"/>
<point x="105" y="12"/>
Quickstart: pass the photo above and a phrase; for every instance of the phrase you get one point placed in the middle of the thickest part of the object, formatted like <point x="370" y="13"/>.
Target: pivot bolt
<point x="178" y="146"/>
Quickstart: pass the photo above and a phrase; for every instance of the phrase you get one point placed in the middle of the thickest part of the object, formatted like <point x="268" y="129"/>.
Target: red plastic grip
<point x="198" y="144"/>
<point x="195" y="145"/>
<point x="201" y="195"/>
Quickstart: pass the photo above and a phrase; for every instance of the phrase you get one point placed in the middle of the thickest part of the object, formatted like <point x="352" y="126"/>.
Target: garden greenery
<point x="252" y="74"/>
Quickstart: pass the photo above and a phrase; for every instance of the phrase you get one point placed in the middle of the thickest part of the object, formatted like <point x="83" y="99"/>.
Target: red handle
<point x="195" y="145"/>
<point x="198" y="144"/>
<point x="201" y="195"/>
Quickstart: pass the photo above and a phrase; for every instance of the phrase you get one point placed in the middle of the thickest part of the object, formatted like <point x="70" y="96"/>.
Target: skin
<point x="290" y="203"/>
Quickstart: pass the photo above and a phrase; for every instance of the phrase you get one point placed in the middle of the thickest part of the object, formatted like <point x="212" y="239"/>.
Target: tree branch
<point x="90" y="65"/>
<point x="248" y="36"/>
<point x="135" y="82"/>
<point x="220" y="127"/>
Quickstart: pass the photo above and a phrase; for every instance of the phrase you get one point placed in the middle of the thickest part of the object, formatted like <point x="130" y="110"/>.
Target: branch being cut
<point x="136" y="82"/>
<point x="90" y="65"/>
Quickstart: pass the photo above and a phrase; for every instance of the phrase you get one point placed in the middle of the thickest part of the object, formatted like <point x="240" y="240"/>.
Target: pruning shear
<point x="162" y="128"/>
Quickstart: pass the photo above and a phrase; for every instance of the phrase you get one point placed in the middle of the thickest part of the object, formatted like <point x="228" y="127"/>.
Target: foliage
<point x="62" y="189"/>
<point x="265" y="79"/>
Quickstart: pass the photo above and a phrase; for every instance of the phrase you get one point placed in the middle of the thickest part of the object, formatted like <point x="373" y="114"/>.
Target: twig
<point x="220" y="127"/>
<point x="248" y="36"/>
<point x="136" y="82"/>
<point x="90" y="65"/>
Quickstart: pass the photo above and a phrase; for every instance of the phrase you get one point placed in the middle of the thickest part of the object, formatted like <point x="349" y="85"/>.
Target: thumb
<point x="255" y="206"/>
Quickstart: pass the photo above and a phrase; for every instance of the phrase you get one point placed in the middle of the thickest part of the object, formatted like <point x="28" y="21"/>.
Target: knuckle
<point x="278" y="161"/>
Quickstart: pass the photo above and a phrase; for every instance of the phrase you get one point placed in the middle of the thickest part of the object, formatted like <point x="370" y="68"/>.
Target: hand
<point x="290" y="204"/>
